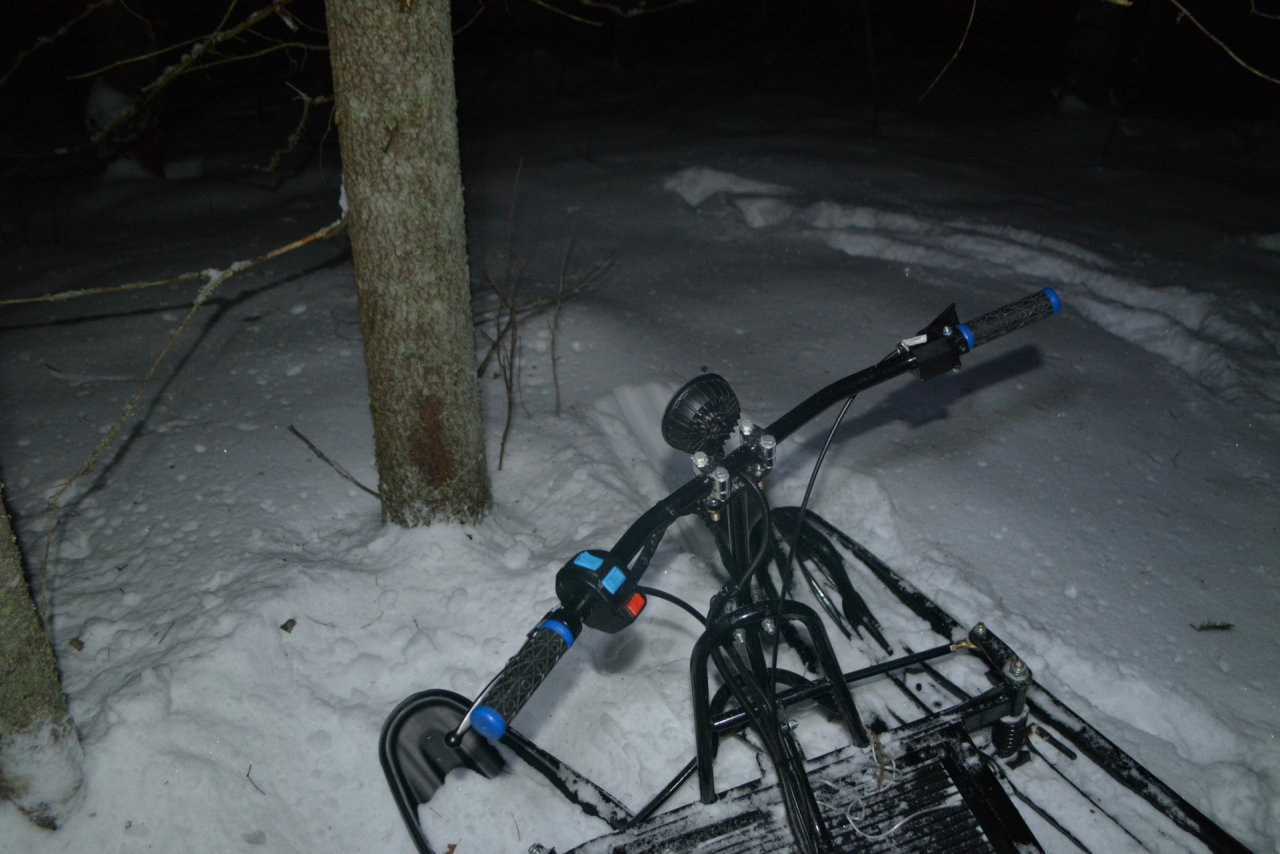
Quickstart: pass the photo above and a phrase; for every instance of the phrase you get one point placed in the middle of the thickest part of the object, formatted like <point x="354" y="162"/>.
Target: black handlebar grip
<point x="1005" y="319"/>
<point x="520" y="677"/>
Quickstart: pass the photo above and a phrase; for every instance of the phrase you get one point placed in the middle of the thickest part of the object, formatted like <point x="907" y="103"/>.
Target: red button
<point x="635" y="605"/>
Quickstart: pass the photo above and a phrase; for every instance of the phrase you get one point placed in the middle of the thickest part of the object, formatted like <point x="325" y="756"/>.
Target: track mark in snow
<point x="698" y="183"/>
<point x="1210" y="338"/>
<point x="1200" y="333"/>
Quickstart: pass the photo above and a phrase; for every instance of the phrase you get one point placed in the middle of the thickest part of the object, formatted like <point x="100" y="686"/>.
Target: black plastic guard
<point x="416" y="757"/>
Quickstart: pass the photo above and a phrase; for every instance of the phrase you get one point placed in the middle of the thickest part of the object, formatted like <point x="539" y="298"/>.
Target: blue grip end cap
<point x="488" y="722"/>
<point x="963" y="329"/>
<point x="559" y="628"/>
<point x="1054" y="302"/>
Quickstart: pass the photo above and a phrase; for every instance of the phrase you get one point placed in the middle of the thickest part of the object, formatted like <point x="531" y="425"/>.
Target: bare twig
<point x="621" y="10"/>
<point x="527" y="310"/>
<point x="506" y="289"/>
<point x="44" y="41"/>
<point x="577" y="19"/>
<point x="346" y="475"/>
<point x="1235" y="57"/>
<point x="474" y="17"/>
<point x="509" y="365"/>
<point x="1270" y="16"/>
<point x="555" y="319"/>
<point x="189" y="61"/>
<point x="291" y="144"/>
<point x="213" y="280"/>
<point x="273" y="48"/>
<point x="63" y="296"/>
<point x="963" y="38"/>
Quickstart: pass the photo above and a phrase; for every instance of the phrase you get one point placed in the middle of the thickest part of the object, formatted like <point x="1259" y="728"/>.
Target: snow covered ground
<point x="1094" y="488"/>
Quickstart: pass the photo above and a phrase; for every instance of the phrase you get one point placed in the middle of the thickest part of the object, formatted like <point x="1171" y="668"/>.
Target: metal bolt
<point x="740" y="636"/>
<point x="768" y="449"/>
<point x="720" y="483"/>
<point x="980" y="630"/>
<point x="768" y="625"/>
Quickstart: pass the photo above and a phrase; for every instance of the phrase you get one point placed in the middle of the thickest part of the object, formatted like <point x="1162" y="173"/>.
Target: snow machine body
<point x="944" y="745"/>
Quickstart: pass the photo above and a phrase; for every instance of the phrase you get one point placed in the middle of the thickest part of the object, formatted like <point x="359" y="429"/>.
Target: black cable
<point x="784" y="570"/>
<point x="655" y="593"/>
<point x="808" y="491"/>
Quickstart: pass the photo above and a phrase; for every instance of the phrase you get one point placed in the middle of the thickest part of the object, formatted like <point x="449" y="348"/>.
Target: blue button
<point x="587" y="560"/>
<point x="614" y="580"/>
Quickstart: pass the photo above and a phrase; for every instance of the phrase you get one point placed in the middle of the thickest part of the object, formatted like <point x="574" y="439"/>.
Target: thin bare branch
<point x="342" y="472"/>
<point x="258" y="54"/>
<point x="188" y="62"/>
<point x="628" y="10"/>
<point x="295" y="138"/>
<point x="44" y="41"/>
<point x="577" y="19"/>
<point x="213" y="280"/>
<point x="130" y="60"/>
<point x="555" y="318"/>
<point x="1254" y="10"/>
<point x="474" y="17"/>
<point x="63" y="296"/>
<point x="1235" y="57"/>
<point x="964" y="37"/>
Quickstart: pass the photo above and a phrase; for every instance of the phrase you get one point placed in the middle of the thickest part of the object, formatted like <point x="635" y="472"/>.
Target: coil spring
<point x="1008" y="735"/>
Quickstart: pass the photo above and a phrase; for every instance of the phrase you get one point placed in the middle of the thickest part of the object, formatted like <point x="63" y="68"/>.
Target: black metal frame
<point x="426" y="736"/>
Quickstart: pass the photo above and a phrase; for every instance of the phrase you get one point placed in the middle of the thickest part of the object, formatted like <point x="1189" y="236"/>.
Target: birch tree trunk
<point x="40" y="756"/>
<point x="397" y="125"/>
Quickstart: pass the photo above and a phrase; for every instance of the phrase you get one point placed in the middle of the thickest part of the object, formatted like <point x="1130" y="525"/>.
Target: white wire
<point x="860" y="802"/>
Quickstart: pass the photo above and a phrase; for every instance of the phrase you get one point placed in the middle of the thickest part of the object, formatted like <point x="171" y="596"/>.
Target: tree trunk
<point x="397" y="125"/>
<point x="40" y="756"/>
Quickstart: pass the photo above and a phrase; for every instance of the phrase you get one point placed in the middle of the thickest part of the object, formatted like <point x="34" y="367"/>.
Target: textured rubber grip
<point x="1007" y="318"/>
<point x="521" y="676"/>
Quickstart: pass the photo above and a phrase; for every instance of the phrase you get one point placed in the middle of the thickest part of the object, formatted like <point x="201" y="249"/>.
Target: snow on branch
<point x="201" y="53"/>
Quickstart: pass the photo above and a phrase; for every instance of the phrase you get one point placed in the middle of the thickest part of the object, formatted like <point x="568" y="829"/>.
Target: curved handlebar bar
<point x="525" y="671"/>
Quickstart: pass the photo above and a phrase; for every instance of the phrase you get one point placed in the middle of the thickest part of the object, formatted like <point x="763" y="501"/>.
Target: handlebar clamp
<point x="937" y="348"/>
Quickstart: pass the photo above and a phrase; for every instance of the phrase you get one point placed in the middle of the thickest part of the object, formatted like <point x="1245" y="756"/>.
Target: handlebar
<point x="596" y="586"/>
